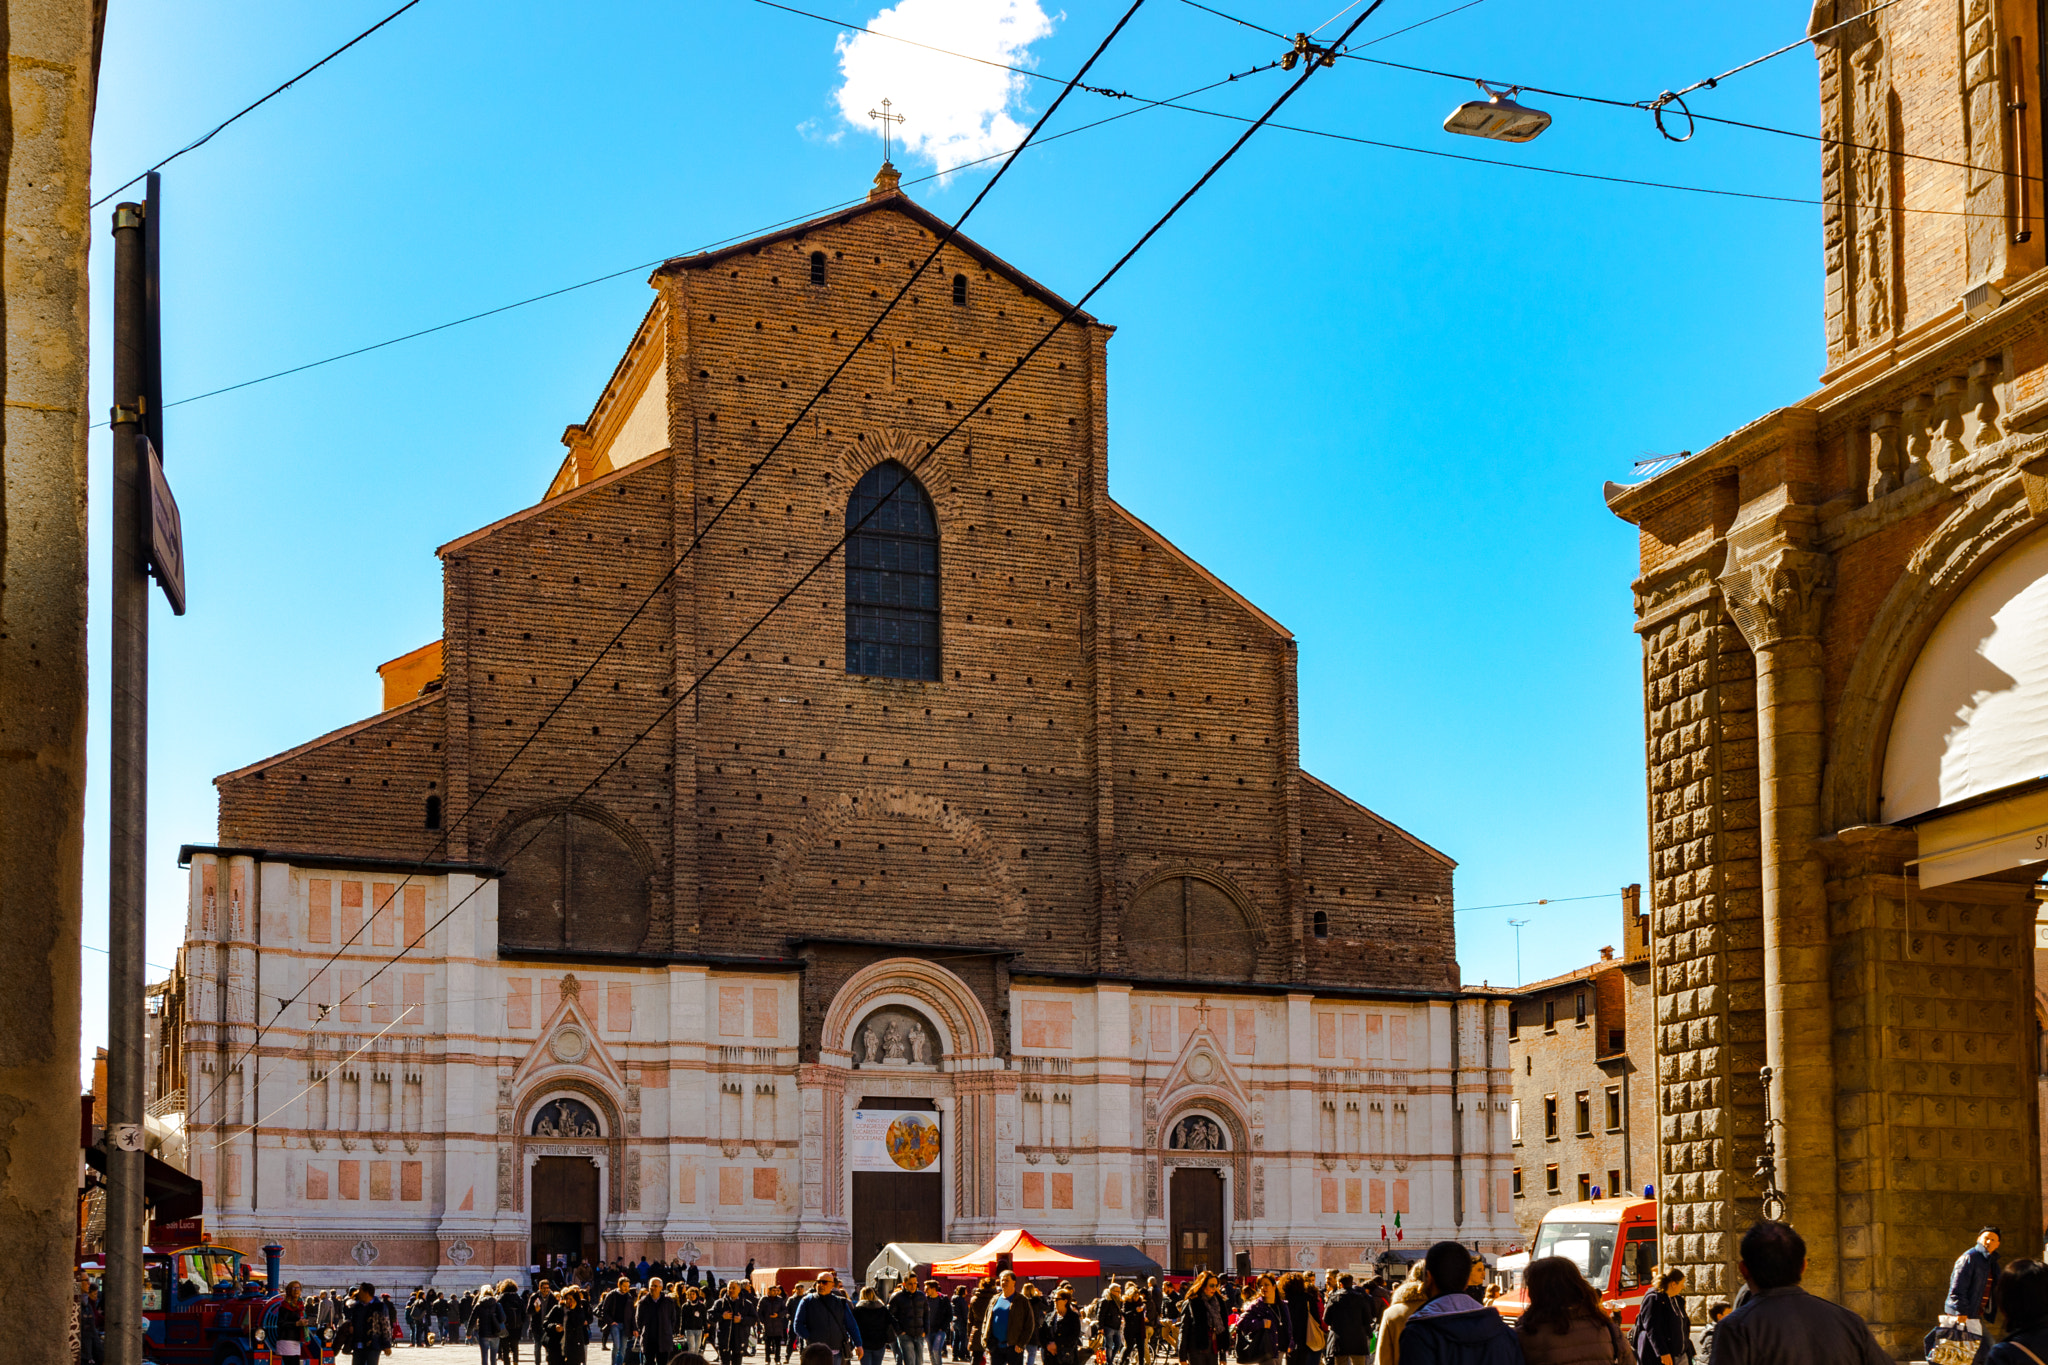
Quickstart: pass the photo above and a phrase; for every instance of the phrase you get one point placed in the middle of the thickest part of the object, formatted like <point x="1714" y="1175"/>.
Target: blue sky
<point x="1376" y="391"/>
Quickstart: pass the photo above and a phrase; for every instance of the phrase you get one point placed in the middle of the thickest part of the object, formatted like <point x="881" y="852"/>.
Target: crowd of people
<point x="1441" y="1314"/>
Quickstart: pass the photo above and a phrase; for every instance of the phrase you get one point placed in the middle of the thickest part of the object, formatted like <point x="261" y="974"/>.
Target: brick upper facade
<point x="1109" y="715"/>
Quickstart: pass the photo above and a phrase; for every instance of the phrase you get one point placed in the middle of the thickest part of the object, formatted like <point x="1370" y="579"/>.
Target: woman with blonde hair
<point x="1411" y="1295"/>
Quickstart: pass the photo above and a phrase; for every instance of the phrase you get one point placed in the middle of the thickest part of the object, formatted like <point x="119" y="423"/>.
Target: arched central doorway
<point x="1198" y="1150"/>
<point x="564" y="1210"/>
<point x="564" y="1203"/>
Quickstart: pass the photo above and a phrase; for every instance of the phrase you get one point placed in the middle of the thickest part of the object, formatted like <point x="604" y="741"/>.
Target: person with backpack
<point x="1264" y="1332"/>
<point x="486" y="1324"/>
<point x="1352" y="1315"/>
<point x="732" y="1322"/>
<point x="615" y="1318"/>
<point x="369" y="1325"/>
<point x="512" y="1315"/>
<point x="1452" y="1327"/>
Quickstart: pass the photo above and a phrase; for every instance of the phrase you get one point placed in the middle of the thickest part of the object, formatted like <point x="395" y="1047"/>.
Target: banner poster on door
<point x="893" y="1140"/>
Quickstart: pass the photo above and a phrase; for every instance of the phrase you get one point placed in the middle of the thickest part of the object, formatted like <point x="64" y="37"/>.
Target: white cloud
<point x="953" y="111"/>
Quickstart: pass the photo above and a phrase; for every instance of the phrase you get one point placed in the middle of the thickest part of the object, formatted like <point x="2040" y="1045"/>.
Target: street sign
<point x="166" y="535"/>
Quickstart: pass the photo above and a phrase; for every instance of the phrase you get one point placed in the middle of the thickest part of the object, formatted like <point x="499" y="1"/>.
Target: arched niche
<point x="926" y="992"/>
<point x="1189" y="924"/>
<point x="893" y="1036"/>
<point x="576" y="877"/>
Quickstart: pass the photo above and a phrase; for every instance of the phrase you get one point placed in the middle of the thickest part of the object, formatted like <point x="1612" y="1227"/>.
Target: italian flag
<point x="1397" y="1227"/>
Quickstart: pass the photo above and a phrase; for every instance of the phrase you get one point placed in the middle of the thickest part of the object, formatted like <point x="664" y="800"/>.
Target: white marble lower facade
<point x="390" y="1121"/>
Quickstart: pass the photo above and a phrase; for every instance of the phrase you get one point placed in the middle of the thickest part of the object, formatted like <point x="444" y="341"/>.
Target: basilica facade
<point x="970" y="881"/>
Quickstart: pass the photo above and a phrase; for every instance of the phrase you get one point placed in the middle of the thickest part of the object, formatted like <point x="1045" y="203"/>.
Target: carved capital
<point x="1779" y="595"/>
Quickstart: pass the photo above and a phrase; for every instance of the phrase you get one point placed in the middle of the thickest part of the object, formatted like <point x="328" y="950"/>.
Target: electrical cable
<point x="1548" y="900"/>
<point x="697" y="682"/>
<point x="944" y="239"/>
<point x="931" y="449"/>
<point x="250" y="109"/>
<point x="1351" y="54"/>
<point x="367" y="1045"/>
<point x="944" y="52"/>
<point x="1146" y="105"/>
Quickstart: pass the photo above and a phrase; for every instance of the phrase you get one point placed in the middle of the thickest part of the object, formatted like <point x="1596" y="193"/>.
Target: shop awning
<point x="168" y="1191"/>
<point x="1992" y="835"/>
<point x="1029" y="1257"/>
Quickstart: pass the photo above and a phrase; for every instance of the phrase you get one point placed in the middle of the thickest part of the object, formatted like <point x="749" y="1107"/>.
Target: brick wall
<point x="1107" y="710"/>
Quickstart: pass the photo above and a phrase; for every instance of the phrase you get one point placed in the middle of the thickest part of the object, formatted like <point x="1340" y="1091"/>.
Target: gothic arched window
<point x="892" y="577"/>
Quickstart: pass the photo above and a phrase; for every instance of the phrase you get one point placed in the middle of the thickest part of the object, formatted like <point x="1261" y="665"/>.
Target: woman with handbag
<point x="1564" y="1323"/>
<point x="289" y="1341"/>
<point x="1663" y="1329"/>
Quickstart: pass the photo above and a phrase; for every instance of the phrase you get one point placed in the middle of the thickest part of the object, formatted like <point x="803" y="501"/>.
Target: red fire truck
<point x="1614" y="1244"/>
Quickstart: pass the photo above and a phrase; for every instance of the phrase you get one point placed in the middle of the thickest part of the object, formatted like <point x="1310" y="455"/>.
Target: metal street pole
<point x="128" y="792"/>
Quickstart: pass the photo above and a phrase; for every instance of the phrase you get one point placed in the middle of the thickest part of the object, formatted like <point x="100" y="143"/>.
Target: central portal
<point x="1196" y="1197"/>
<point x="564" y="1208"/>
<point x="898" y="1193"/>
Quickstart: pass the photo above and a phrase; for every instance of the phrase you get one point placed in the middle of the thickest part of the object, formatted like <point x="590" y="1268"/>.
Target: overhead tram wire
<point x="470" y="808"/>
<point x="201" y="141"/>
<point x="1176" y="102"/>
<point x="1073" y="309"/>
<point x="1638" y="105"/>
<point x="1145" y="105"/>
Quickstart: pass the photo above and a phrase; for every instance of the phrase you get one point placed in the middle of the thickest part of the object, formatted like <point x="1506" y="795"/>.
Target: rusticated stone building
<point x="1844" y="611"/>
<point x="979" y="885"/>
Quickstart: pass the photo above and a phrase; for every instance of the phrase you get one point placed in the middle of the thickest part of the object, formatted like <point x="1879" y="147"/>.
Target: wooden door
<point x="1195" y="1202"/>
<point x="894" y="1206"/>
<point x="564" y="1207"/>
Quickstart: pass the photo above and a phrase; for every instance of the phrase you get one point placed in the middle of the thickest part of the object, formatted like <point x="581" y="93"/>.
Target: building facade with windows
<point x="775" y="902"/>
<point x="1583" y="1120"/>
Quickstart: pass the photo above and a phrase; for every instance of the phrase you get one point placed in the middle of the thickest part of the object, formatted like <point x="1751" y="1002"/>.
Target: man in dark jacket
<point x="963" y="1323"/>
<point x="1452" y="1327"/>
<point x="371" y="1324"/>
<point x="1973" y="1290"/>
<point x="656" y="1320"/>
<point x="977" y="1319"/>
<point x="1349" y="1319"/>
<point x="615" y="1318"/>
<point x="1780" y="1323"/>
<point x="906" y="1314"/>
<point x="824" y="1318"/>
<point x="732" y="1323"/>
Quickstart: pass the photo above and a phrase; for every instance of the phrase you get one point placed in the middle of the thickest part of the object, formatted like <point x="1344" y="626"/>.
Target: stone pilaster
<point x="1777" y="592"/>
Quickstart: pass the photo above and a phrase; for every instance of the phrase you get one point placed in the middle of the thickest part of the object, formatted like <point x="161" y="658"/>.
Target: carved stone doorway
<point x="1195" y="1204"/>
<point x="564" y="1210"/>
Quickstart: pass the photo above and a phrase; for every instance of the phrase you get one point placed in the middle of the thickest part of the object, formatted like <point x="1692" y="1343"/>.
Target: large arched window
<point x="892" y="577"/>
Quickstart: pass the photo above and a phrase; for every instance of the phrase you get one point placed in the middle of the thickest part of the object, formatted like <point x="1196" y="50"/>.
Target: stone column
<point x="1777" y="591"/>
<point x="46" y="156"/>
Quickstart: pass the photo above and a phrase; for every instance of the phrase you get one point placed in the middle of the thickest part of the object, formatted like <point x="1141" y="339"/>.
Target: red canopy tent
<point x="1029" y="1257"/>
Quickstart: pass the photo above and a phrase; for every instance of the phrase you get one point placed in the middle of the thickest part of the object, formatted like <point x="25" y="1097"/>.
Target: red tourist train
<point x="202" y="1305"/>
